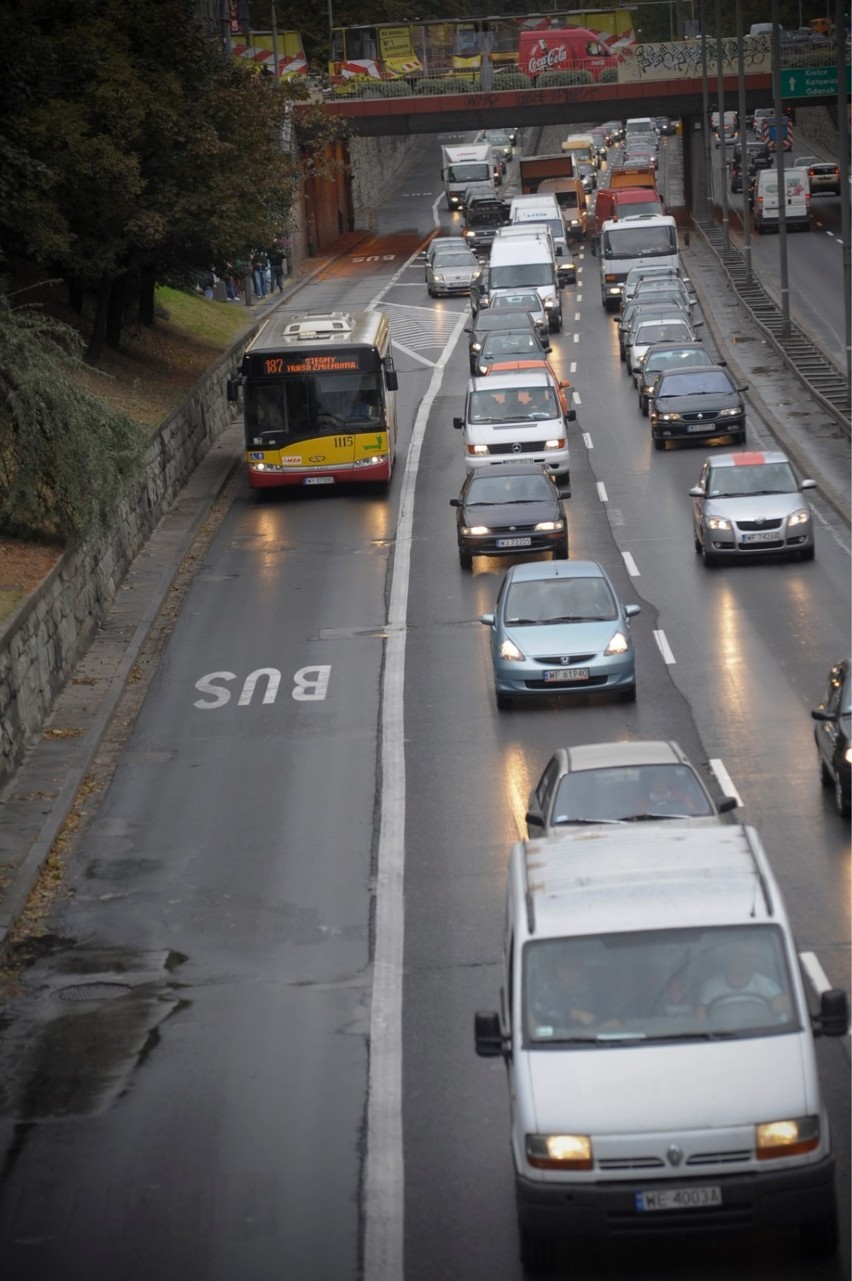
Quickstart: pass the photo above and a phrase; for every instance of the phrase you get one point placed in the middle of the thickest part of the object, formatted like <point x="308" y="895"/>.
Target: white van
<point x="634" y="242"/>
<point x="658" y="1041"/>
<point x="545" y="218"/>
<point x="516" y="417"/>
<point x="527" y="262"/>
<point x="797" y="199"/>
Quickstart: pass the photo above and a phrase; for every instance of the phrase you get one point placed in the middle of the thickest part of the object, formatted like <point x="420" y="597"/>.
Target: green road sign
<point x="811" y="82"/>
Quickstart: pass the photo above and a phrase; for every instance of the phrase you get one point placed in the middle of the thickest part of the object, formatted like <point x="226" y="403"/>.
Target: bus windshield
<point x="296" y="408"/>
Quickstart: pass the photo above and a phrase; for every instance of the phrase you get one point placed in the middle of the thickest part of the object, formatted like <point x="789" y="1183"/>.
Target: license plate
<point x="768" y="536"/>
<point x="566" y="675"/>
<point x="700" y="426"/>
<point x="679" y="1199"/>
<point x="514" y="542"/>
<point x="319" y="480"/>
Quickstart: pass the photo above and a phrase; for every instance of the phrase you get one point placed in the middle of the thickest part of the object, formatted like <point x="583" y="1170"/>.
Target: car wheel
<point x="628" y="695"/>
<point x="561" y="552"/>
<point x="538" y="1254"/>
<point x="697" y="543"/>
<point x="824" y="774"/>
<point x="504" y="701"/>
<point x="430" y="291"/>
<point x="659" y="443"/>
<point x="807" y="553"/>
<point x="643" y="405"/>
<point x="740" y="437"/>
<point x="711" y="560"/>
<point x="841" y="798"/>
<point x="465" y="559"/>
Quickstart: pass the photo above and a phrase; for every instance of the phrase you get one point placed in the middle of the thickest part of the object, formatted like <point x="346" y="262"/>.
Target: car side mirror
<point x="455" y="502"/>
<point x="487" y="619"/>
<point x="632" y="610"/>
<point x="697" y="324"/>
<point x="488" y="1039"/>
<point x="808" y="484"/>
<point x="697" y="491"/>
<point x="833" y="1016"/>
<point x="458" y="423"/>
<point x="743" y="388"/>
<point x="534" y="818"/>
<point x="727" y="804"/>
<point x="571" y="416"/>
<point x="820" y="714"/>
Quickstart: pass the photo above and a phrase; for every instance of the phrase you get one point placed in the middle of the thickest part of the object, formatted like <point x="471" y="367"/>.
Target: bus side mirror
<point x="392" y="380"/>
<point x="233" y="390"/>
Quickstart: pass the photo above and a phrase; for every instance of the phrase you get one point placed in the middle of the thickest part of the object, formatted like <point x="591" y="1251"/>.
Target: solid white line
<point x="632" y="568"/>
<point x="384" y="1170"/>
<point x="601" y="491"/>
<point x="725" y="781"/>
<point x="664" y="647"/>
<point x="587" y="440"/>
<point x="815" y="972"/>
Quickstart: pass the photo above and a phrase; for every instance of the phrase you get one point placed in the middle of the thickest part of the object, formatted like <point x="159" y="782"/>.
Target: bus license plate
<point x="514" y="542"/>
<point x="319" y="480"/>
<point x="679" y="1199"/>
<point x="565" y="675"/>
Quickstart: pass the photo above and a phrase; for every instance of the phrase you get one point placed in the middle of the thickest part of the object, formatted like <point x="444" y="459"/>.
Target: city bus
<point x="319" y="399"/>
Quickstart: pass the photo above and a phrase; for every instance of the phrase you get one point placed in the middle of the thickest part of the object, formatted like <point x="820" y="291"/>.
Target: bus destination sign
<point x="301" y="363"/>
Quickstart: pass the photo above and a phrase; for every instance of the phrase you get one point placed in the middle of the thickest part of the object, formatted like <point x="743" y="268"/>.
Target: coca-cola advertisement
<point x="563" y="49"/>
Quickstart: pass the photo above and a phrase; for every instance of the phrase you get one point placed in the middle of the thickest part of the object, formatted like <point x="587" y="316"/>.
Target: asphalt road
<point x="245" y="1048"/>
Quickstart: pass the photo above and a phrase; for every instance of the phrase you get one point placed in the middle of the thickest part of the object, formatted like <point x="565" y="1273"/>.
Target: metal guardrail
<point x="810" y="365"/>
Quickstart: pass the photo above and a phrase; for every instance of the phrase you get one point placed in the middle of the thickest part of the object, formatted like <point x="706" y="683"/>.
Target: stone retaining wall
<point x="41" y="643"/>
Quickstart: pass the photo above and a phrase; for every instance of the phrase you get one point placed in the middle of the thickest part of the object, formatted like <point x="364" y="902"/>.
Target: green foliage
<point x="65" y="459"/>
<point x="429" y="86"/>
<point x="560" y="79"/>
<point x="512" y="80"/>
<point x="609" y="76"/>
<point x="388" y="89"/>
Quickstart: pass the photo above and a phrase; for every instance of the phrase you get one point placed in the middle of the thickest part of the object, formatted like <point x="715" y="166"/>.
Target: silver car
<point x="751" y="504"/>
<point x="452" y="271"/>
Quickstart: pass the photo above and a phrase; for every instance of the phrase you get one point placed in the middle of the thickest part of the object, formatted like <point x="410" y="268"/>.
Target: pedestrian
<point x="209" y="283"/>
<point x="276" y="262"/>
<point x="258" y="271"/>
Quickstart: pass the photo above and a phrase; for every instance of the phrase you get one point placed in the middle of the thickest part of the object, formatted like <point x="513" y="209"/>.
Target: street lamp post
<point x="723" y="146"/>
<point x="777" y="108"/>
<point x="742" y="133"/>
<point x="705" y="107"/>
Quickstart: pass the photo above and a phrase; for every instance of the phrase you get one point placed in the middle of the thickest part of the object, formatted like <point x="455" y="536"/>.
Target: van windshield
<point x="658" y="985"/>
<point x="640" y="240"/>
<point x="514" y="275"/>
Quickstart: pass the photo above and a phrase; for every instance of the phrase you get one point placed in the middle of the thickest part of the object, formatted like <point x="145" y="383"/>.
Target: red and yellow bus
<point x="319" y="400"/>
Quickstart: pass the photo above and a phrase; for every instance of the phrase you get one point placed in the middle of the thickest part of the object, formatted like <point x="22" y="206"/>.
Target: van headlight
<point x="550" y="302"/>
<point x="786" y="1138"/>
<point x="559" y="1151"/>
<point x="558" y="443"/>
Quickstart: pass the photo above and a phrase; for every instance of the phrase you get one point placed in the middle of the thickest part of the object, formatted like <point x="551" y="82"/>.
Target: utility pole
<point x="742" y="133"/>
<point x="705" y="108"/>
<point x="843" y="139"/>
<point x="723" y="146"/>
<point x="780" y="128"/>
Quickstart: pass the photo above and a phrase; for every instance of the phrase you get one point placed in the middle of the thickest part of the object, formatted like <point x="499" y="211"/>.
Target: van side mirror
<point x="458" y="423"/>
<point x="488" y="1039"/>
<point x="727" y="804"/>
<point x="833" y="1016"/>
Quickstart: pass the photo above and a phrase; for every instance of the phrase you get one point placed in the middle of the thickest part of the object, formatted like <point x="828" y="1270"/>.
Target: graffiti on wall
<point x="668" y="60"/>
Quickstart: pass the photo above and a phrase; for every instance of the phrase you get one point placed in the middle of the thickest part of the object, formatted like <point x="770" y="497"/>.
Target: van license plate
<point x="514" y="542"/>
<point x="679" y="1199"/>
<point x="565" y="675"/>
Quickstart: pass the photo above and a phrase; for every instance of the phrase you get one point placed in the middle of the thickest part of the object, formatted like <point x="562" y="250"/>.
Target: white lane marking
<point x="815" y="972"/>
<point x="579" y="297"/>
<point x="576" y="398"/>
<point x="724" y="779"/>
<point x="601" y="491"/>
<point x="572" y="368"/>
<point x="384" y="1191"/>
<point x="632" y="568"/>
<point x="587" y="440"/>
<point x="664" y="647"/>
<point x="576" y="338"/>
<point x="576" y="315"/>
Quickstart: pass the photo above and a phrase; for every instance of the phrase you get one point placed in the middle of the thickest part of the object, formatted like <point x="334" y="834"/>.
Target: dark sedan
<point x="660" y="356"/>
<point x="834" y="722"/>
<point x="514" y="508"/>
<point x="694" y="404"/>
<point x="505" y="319"/>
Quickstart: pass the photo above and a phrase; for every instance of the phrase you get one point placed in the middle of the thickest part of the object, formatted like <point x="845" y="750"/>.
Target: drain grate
<point x="98" y="991"/>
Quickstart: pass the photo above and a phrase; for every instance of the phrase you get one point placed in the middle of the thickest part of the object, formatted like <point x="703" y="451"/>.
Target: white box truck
<point x="636" y="242"/>
<point x="461" y="166"/>
<point x="659" y="1042"/>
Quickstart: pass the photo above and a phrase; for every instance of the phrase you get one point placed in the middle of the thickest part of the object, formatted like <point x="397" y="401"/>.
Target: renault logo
<point x="674" y="1155"/>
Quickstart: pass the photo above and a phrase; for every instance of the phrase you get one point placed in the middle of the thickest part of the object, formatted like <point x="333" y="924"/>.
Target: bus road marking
<point x="587" y="440"/>
<point x="632" y="567"/>
<point x="601" y="487"/>
<point x="724" y="779"/>
<point x="664" y="647"/>
<point x="310" y="684"/>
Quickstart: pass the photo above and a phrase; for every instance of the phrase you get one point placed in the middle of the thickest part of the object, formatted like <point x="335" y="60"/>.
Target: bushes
<point x="563" y="79"/>
<point x="512" y="80"/>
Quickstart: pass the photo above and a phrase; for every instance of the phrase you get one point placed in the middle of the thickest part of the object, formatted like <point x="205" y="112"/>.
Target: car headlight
<point x="667" y="418"/>
<point x="437" y="278"/>
<point x="559" y="1151"/>
<point x="718" y="522"/>
<point x="647" y="388"/>
<point x="476" y="346"/>
<point x="557" y="443"/>
<point x="618" y="645"/>
<point x="549" y="526"/>
<point x="484" y="300"/>
<point x="469" y="232"/>
<point x="730" y="413"/>
<point x="847" y="756"/>
<point x="801" y="517"/>
<point x="510" y="651"/>
<point x="786" y="1138"/>
<point x="478" y="451"/>
<point x="475" y="530"/>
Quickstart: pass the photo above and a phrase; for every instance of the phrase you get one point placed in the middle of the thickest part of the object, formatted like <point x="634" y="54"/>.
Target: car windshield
<point x="629" y="793"/>
<point x="686" y="383"/>
<point x="490" y="490"/>
<point x="560" y="600"/>
<point x="721" y="982"/>
<point x="513" y="405"/>
<point x="762" y="478"/>
<point x="529" y="302"/>
<point x="501" y="346"/>
<point x="455" y="259"/>
<point x="667" y="359"/>
<point x="665" y="332"/>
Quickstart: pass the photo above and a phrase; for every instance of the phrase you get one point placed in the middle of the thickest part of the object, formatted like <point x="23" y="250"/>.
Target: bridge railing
<point x="641" y="63"/>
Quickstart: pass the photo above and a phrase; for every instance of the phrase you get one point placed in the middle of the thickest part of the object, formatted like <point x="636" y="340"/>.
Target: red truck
<point x="625" y="202"/>
<point x="564" y="49"/>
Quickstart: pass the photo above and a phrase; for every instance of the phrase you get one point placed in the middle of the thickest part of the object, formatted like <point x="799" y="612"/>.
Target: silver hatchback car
<point x="751" y="503"/>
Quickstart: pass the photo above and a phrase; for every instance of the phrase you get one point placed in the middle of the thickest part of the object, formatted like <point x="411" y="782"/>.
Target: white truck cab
<point x="658" y="1041"/>
<point x="634" y="242"/>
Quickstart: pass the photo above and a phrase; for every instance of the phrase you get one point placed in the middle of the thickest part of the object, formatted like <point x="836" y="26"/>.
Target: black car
<point x="692" y="404"/>
<point x="665" y="127"/>
<point x="502" y="318"/>
<point x="834" y="721"/>
<point x="758" y="156"/>
<point x="512" y="508"/>
<point x="507" y="344"/>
